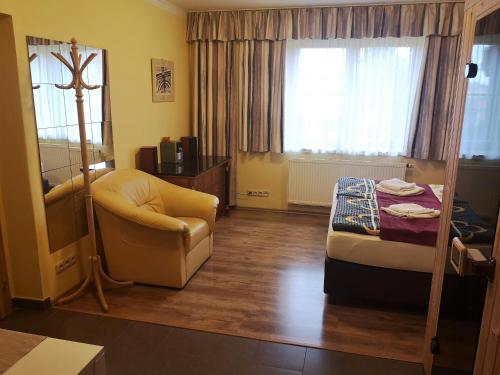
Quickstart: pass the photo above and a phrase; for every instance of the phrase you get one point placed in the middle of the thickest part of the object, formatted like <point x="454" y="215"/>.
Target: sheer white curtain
<point x="481" y="129"/>
<point x="55" y="109"/>
<point x="352" y="96"/>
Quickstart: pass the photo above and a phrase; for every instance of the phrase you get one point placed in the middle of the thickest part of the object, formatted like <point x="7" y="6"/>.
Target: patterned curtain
<point x="488" y="25"/>
<point x="237" y="92"/>
<point x="106" y="127"/>
<point x="434" y="108"/>
<point x="35" y="41"/>
<point x="238" y="69"/>
<point x="375" y="21"/>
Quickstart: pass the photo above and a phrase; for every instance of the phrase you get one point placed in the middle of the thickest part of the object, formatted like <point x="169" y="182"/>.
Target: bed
<point x="364" y="267"/>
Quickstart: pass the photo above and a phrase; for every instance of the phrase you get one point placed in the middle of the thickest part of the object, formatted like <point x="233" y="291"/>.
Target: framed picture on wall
<point x="163" y="80"/>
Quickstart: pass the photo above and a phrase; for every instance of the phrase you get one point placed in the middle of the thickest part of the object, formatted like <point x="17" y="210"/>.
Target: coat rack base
<point x="96" y="278"/>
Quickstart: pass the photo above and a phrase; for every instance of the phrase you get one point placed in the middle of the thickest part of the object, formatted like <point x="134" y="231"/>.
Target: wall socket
<point x="258" y="193"/>
<point x="65" y="263"/>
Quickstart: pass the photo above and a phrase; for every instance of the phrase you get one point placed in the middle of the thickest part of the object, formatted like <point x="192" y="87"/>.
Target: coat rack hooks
<point x="95" y="272"/>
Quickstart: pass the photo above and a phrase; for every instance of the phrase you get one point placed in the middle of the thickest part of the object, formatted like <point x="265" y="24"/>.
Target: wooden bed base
<point x="347" y="283"/>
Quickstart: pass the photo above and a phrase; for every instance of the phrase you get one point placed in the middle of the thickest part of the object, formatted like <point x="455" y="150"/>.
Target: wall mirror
<point x="59" y="139"/>
<point x="475" y="207"/>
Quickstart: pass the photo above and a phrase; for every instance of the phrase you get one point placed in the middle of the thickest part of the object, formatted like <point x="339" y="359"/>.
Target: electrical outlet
<point x="258" y="193"/>
<point x="65" y="263"/>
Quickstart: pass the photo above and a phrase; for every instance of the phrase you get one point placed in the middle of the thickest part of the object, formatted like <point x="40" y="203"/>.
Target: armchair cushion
<point x="133" y="191"/>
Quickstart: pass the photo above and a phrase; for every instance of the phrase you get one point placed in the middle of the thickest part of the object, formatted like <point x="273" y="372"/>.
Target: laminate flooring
<point x="265" y="281"/>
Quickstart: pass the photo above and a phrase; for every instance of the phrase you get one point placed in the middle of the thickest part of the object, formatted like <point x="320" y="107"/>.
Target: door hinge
<point x="435" y="348"/>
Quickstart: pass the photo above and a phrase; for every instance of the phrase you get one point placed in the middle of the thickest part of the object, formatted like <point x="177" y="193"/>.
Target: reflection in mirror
<point x="59" y="138"/>
<point x="476" y="205"/>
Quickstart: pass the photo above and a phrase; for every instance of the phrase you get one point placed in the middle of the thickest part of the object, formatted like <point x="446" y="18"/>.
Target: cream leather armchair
<point x="153" y="232"/>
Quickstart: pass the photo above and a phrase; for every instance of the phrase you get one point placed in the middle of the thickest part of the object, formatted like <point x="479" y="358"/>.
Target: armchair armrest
<point x="140" y="216"/>
<point x="180" y="201"/>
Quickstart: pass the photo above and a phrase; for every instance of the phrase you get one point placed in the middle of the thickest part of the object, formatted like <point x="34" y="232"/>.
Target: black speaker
<point x="148" y="159"/>
<point x="190" y="148"/>
<point x="171" y="152"/>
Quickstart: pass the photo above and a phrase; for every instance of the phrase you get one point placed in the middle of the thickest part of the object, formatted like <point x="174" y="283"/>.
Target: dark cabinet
<point x="207" y="174"/>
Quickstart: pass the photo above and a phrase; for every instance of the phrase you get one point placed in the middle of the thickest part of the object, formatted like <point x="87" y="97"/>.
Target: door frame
<point x="474" y="9"/>
<point x="488" y="351"/>
<point x="5" y="296"/>
<point x="5" y="300"/>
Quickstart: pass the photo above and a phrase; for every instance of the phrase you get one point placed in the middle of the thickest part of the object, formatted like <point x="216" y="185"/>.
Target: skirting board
<point x="29" y="303"/>
<point x="290" y="210"/>
<point x="309" y="209"/>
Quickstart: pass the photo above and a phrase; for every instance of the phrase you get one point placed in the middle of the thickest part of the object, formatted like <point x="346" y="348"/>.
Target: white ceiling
<point x="251" y="4"/>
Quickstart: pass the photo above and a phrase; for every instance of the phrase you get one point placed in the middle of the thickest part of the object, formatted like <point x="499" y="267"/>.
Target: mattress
<point x="372" y="251"/>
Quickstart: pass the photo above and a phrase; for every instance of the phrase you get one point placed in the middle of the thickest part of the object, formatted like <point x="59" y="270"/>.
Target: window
<point x="55" y="109"/>
<point x="351" y="96"/>
<point x="481" y="130"/>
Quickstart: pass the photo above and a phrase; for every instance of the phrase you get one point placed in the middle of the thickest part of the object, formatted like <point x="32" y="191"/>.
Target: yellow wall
<point x="133" y="32"/>
<point x="16" y="214"/>
<point x="270" y="172"/>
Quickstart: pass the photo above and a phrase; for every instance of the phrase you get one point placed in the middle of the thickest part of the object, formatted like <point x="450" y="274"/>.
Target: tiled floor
<point x="142" y="349"/>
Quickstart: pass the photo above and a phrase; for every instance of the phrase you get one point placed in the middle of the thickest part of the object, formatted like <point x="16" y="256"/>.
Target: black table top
<point x="191" y="169"/>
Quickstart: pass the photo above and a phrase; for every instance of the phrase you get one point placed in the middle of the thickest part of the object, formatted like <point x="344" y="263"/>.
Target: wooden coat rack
<point x="95" y="272"/>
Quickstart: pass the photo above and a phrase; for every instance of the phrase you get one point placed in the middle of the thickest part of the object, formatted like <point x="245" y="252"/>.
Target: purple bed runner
<point x="418" y="231"/>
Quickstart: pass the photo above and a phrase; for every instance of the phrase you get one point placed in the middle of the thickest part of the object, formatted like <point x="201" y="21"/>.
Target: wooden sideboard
<point x="208" y="174"/>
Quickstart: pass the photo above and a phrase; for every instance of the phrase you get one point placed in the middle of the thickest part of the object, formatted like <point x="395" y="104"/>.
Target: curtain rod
<point x="330" y="6"/>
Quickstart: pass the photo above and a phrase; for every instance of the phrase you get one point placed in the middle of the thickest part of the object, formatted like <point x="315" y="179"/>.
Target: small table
<point x="208" y="174"/>
<point x="24" y="353"/>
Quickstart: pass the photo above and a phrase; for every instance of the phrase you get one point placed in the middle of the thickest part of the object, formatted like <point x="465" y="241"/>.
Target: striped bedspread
<point x="358" y="215"/>
<point x="356" y="209"/>
<point x="468" y="226"/>
<point x="356" y="187"/>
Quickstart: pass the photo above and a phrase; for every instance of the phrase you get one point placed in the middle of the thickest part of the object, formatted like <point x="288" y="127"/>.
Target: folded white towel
<point x="402" y="193"/>
<point x="438" y="191"/>
<point x="411" y="210"/>
<point x="397" y="185"/>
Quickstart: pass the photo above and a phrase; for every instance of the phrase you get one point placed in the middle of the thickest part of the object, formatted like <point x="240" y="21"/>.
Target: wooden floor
<point x="265" y="281"/>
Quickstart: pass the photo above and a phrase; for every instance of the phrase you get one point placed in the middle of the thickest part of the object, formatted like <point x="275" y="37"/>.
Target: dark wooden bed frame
<point x="347" y="283"/>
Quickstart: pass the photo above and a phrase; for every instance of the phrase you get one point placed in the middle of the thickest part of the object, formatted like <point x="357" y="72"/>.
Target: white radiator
<point x="311" y="181"/>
